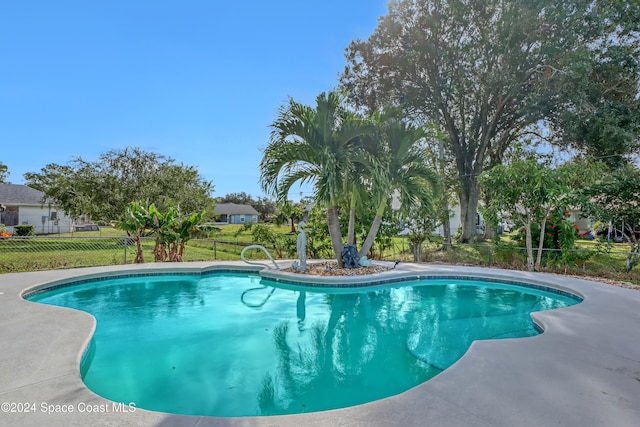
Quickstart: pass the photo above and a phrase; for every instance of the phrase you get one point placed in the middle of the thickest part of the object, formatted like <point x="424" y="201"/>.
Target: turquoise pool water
<point x="228" y="344"/>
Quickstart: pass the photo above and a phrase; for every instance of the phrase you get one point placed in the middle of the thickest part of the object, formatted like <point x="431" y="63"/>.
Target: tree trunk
<point x="529" y="243"/>
<point x="417" y="250"/>
<point x="333" y="223"/>
<point x="543" y="230"/>
<point x="139" y="252"/>
<point x="373" y="231"/>
<point x="351" y="232"/>
<point x="469" y="196"/>
<point x="446" y="228"/>
<point x="446" y="223"/>
<point x="181" y="251"/>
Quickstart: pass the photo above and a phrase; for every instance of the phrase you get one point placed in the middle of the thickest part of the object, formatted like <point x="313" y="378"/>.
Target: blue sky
<point x="198" y="81"/>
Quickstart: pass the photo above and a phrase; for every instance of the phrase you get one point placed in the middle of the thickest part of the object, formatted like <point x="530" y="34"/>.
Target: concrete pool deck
<point x="584" y="370"/>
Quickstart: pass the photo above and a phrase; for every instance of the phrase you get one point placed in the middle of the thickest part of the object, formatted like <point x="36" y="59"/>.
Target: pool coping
<point x="584" y="370"/>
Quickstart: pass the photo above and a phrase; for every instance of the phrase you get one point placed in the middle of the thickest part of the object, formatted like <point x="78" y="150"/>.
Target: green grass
<point x="106" y="247"/>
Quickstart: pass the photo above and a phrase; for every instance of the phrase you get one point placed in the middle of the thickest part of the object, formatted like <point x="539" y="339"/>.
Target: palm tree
<point x="290" y="212"/>
<point x="400" y="168"/>
<point x="314" y="145"/>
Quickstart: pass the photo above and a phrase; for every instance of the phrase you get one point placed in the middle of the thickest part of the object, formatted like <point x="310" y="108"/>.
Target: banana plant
<point x="136" y="223"/>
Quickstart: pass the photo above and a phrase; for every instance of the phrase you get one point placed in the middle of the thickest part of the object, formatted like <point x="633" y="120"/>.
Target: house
<point x="20" y="204"/>
<point x="582" y="223"/>
<point x="455" y="221"/>
<point x="231" y="213"/>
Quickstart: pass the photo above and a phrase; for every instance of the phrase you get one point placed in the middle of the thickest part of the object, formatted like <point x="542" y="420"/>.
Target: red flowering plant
<point x="559" y="239"/>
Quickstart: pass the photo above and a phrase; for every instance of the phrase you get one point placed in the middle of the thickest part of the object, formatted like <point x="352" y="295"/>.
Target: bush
<point x="24" y="230"/>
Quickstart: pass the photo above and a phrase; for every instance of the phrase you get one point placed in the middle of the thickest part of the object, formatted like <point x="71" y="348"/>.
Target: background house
<point x="24" y="205"/>
<point x="231" y="213"/>
<point x="455" y="220"/>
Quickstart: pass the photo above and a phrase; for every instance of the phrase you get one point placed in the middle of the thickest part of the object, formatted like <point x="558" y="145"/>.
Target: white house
<point x="20" y="204"/>
<point x="456" y="222"/>
<point x="232" y="213"/>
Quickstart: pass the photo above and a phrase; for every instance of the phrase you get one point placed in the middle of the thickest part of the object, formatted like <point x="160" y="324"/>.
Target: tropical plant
<point x="318" y="240"/>
<point x="420" y="223"/>
<point x="174" y="232"/>
<point x="291" y="212"/>
<point x="400" y="169"/>
<point x="528" y="191"/>
<point x="183" y="227"/>
<point x="315" y="145"/>
<point x="159" y="222"/>
<point x="136" y="222"/>
<point x="171" y="230"/>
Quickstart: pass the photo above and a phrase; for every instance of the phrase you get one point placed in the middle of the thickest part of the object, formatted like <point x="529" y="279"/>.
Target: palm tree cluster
<point x="349" y="159"/>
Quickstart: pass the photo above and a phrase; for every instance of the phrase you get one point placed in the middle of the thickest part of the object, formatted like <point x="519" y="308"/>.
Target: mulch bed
<point x="331" y="269"/>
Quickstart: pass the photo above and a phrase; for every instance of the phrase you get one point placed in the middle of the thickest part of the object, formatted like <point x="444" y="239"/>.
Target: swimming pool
<point x="231" y="344"/>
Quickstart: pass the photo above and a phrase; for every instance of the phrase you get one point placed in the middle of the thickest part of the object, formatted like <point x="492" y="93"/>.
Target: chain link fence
<point x="50" y="252"/>
<point x="595" y="260"/>
<point x="46" y="252"/>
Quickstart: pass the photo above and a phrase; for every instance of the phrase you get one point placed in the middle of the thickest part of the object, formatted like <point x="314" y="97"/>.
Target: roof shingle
<point x="14" y="194"/>
<point x="234" y="209"/>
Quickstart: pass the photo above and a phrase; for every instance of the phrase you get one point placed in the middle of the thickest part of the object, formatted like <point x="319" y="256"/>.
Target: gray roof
<point x="234" y="209"/>
<point x="14" y="194"/>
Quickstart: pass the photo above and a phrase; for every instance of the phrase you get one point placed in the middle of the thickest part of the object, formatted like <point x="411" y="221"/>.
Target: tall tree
<point x="104" y="188"/>
<point x="599" y="115"/>
<point x="313" y="144"/>
<point x="483" y="71"/>
<point x="237" y="198"/>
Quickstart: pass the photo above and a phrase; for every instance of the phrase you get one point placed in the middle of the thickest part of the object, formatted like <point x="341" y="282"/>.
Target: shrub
<point x="24" y="230"/>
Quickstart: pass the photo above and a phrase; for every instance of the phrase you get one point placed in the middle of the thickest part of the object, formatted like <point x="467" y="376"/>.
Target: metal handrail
<point x="258" y="263"/>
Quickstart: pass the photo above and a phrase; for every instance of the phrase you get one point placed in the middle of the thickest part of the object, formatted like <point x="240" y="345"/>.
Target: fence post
<point x="215" y="250"/>
<point x="488" y="255"/>
<point x="126" y="242"/>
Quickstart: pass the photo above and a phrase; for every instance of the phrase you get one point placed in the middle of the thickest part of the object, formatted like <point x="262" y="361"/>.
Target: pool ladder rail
<point x="255" y="262"/>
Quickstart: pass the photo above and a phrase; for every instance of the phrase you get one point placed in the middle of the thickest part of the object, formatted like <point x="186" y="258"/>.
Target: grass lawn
<point x="107" y="247"/>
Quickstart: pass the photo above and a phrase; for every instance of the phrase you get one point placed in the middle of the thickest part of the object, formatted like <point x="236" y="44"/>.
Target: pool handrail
<point x="258" y="263"/>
